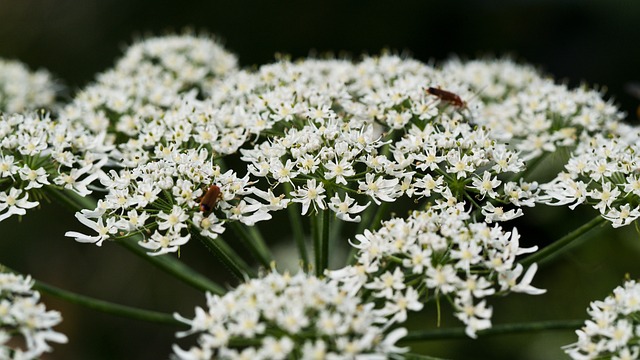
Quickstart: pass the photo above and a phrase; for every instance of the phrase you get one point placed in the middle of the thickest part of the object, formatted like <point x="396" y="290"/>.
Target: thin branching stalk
<point x="326" y="221"/>
<point x="229" y="258"/>
<point x="316" y="229"/>
<point x="296" y="227"/>
<point x="559" y="246"/>
<point x="173" y="266"/>
<point x="168" y="264"/>
<point x="102" y="305"/>
<point x="458" y="333"/>
<point x="253" y="242"/>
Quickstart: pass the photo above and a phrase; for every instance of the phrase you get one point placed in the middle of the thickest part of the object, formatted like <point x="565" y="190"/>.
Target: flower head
<point x="449" y="254"/>
<point x="614" y="329"/>
<point x="22" y="313"/>
<point x="22" y="89"/>
<point x="273" y="312"/>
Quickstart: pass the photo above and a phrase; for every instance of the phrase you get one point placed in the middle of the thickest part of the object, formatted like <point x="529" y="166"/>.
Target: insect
<point x="447" y="96"/>
<point x="210" y="199"/>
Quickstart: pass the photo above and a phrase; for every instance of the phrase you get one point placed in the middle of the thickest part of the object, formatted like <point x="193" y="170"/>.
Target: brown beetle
<point x="210" y="199"/>
<point x="447" y="96"/>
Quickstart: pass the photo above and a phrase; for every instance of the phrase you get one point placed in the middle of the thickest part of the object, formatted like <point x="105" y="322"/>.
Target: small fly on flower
<point x="447" y="96"/>
<point x="210" y="199"/>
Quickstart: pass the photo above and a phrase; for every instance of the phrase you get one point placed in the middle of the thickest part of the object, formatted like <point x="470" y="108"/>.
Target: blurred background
<point x="593" y="42"/>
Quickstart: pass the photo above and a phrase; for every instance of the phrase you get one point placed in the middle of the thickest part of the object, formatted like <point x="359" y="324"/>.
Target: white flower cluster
<point x="530" y="112"/>
<point x="367" y="128"/>
<point x="36" y="151"/>
<point x="321" y="124"/>
<point x="613" y="332"/>
<point x="603" y="172"/>
<point x="337" y="135"/>
<point x="280" y="316"/>
<point x="21" y="89"/>
<point x="151" y="75"/>
<point x="22" y="313"/>
<point x="535" y="115"/>
<point x="162" y="197"/>
<point x="438" y="252"/>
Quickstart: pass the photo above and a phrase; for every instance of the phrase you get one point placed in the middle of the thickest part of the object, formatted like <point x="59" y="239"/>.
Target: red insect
<point x="447" y="96"/>
<point x="210" y="199"/>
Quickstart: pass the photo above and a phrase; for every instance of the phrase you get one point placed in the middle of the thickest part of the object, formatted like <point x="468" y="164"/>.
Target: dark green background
<point x="575" y="41"/>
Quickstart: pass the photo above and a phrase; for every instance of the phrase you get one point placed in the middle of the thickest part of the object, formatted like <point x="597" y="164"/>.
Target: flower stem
<point x="229" y="258"/>
<point x="253" y="241"/>
<point x="295" y="219"/>
<point x="412" y="356"/>
<point x="170" y="265"/>
<point x="326" y="221"/>
<point x="173" y="267"/>
<point x="457" y="333"/>
<point x="315" y="232"/>
<point x="559" y="246"/>
<point x="103" y="306"/>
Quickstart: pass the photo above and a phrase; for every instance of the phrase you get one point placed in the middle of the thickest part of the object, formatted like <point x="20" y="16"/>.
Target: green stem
<point x="295" y="219"/>
<point x="173" y="267"/>
<point x="70" y="199"/>
<point x="324" y="254"/>
<point x="103" y="306"/>
<point x="317" y="242"/>
<point x="229" y="258"/>
<point x="559" y="246"/>
<point x="168" y="264"/>
<point x="412" y="356"/>
<point x="253" y="241"/>
<point x="458" y="333"/>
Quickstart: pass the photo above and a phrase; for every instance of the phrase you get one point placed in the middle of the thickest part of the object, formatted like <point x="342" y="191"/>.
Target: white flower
<point x="508" y="280"/>
<point x="343" y="209"/>
<point x="624" y="216"/>
<point x="312" y="193"/>
<point x="493" y="213"/>
<point x="13" y="204"/>
<point x="486" y="185"/>
<point x="104" y="230"/>
<point x="339" y="170"/>
<point x="21" y="312"/>
<point x="173" y="221"/>
<point x="379" y="188"/>
<point x="36" y="178"/>
<point x="164" y="243"/>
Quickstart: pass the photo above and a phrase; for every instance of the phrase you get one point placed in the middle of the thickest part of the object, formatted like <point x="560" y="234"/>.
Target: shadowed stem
<point x="168" y="264"/>
<point x="458" y="333"/>
<point x="559" y="246"/>
<point x="316" y="233"/>
<point x="103" y="306"/>
<point x="295" y="219"/>
<point x="232" y="261"/>
<point x="326" y="221"/>
<point x="253" y="241"/>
